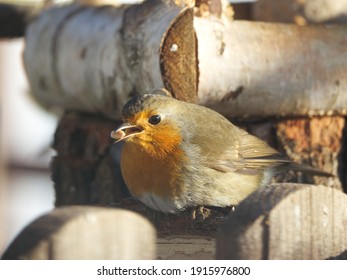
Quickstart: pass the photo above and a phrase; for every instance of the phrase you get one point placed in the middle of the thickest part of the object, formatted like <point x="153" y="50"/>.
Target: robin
<point x="178" y="155"/>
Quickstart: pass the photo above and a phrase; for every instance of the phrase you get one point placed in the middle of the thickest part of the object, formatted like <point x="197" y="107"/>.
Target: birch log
<point x="253" y="69"/>
<point x="93" y="59"/>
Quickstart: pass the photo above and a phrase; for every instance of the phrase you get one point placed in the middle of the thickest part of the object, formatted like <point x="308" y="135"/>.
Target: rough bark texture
<point x="316" y="142"/>
<point x="86" y="169"/>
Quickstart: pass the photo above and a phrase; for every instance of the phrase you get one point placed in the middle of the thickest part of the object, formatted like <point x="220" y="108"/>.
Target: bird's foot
<point x="201" y="212"/>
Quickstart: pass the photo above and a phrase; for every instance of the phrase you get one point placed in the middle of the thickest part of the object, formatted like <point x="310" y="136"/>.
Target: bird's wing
<point x="246" y="154"/>
<point x="226" y="147"/>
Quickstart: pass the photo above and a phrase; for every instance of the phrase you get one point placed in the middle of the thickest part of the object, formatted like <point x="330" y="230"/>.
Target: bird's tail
<point x="308" y="170"/>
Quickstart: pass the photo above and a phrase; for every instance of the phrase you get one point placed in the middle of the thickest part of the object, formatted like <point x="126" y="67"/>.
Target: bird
<point x="179" y="155"/>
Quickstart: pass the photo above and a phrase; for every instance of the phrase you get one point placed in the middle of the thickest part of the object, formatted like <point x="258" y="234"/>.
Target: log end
<point x="178" y="57"/>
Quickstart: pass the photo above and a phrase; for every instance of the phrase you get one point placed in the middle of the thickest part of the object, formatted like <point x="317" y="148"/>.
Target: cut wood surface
<point x="77" y="232"/>
<point x="286" y="221"/>
<point x="94" y="59"/>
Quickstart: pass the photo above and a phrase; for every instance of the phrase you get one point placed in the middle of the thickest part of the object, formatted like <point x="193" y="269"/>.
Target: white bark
<point x="80" y="58"/>
<point x="253" y="69"/>
<point x="94" y="59"/>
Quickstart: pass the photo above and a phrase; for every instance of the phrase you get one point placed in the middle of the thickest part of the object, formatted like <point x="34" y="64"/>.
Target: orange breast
<point x="144" y="172"/>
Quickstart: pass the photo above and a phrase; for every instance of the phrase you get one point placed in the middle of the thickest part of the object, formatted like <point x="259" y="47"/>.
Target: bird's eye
<point x="155" y="119"/>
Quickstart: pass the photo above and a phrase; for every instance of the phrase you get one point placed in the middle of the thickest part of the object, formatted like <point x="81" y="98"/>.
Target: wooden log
<point x="242" y="11"/>
<point x="301" y="12"/>
<point x="268" y="10"/>
<point x="117" y="53"/>
<point x="94" y="59"/>
<point x="325" y="11"/>
<point x="316" y="142"/>
<point x="286" y="221"/>
<point x="186" y="247"/>
<point x="269" y="70"/>
<point x="78" y="232"/>
<point x="86" y="169"/>
<point x="183" y="235"/>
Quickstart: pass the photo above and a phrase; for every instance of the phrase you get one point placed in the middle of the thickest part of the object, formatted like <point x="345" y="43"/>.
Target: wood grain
<point x="85" y="233"/>
<point x="286" y="221"/>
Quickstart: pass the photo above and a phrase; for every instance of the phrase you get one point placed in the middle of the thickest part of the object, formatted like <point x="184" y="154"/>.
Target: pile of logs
<point x="285" y="83"/>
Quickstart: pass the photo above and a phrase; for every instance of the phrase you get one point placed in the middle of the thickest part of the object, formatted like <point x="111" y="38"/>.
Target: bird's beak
<point x="125" y="131"/>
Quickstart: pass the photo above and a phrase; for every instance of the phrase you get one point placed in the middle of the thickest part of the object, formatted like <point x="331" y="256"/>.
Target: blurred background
<point x="26" y="134"/>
